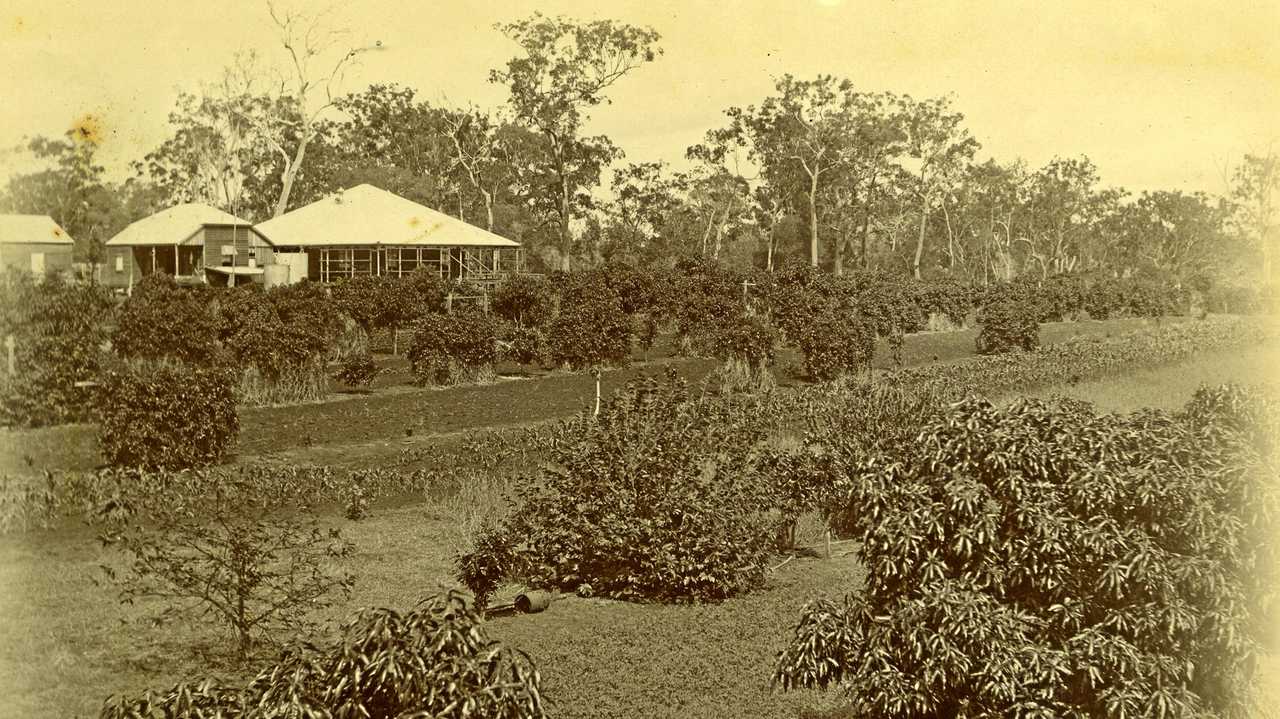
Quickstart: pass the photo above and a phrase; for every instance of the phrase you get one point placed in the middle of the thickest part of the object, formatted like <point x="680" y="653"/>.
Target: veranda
<point x="479" y="265"/>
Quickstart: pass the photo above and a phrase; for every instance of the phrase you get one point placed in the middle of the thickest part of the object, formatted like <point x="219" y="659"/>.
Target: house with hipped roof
<point x="362" y="230"/>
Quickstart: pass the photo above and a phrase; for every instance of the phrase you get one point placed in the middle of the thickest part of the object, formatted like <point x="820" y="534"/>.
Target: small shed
<point x="365" y="230"/>
<point x="193" y="243"/>
<point x="35" y="243"/>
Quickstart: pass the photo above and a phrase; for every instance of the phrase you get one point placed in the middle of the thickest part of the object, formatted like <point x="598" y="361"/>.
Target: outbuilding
<point x="365" y="230"/>
<point x="34" y="243"/>
<point x="193" y="243"/>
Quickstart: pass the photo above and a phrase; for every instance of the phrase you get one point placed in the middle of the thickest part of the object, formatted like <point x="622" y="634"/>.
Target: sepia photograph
<point x="639" y="359"/>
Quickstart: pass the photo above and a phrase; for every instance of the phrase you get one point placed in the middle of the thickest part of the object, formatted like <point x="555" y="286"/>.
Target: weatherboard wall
<point x="53" y="257"/>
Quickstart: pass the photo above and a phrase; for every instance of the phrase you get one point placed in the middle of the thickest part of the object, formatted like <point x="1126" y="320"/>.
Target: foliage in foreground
<point x="1044" y="561"/>
<point x="657" y="498"/>
<point x="432" y="661"/>
<point x="238" y="553"/>
<point x="58" y="330"/>
<point x="163" y="415"/>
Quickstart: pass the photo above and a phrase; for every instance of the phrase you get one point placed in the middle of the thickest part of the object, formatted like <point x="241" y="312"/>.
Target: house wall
<point x="247" y="243"/>
<point x="57" y="257"/>
<point x="123" y="262"/>
<point x="117" y="265"/>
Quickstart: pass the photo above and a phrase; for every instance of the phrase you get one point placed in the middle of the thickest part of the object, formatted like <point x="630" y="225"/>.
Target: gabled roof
<point x="174" y="226"/>
<point x="28" y="229"/>
<point x="367" y="215"/>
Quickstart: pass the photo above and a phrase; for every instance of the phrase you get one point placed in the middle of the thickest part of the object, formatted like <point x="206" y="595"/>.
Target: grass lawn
<point x="1170" y="387"/>
<point x="391" y="412"/>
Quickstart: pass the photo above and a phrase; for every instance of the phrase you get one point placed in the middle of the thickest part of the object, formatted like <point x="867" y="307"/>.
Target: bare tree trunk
<point x="924" y="223"/>
<point x="488" y="209"/>
<point x="290" y="174"/>
<point x="866" y="226"/>
<point x="566" y="237"/>
<point x="813" y="219"/>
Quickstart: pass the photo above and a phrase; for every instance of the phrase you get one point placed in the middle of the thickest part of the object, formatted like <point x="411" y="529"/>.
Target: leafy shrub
<point x="58" y="331"/>
<point x="657" y="498"/>
<point x="358" y="370"/>
<point x="1146" y="297"/>
<point x="434" y="660"/>
<point x="1009" y="322"/>
<point x="1238" y="300"/>
<point x="1104" y="299"/>
<point x="362" y="298"/>
<point x="886" y="302"/>
<point x="835" y="345"/>
<point x="747" y="348"/>
<point x="1041" y="559"/>
<point x="165" y="415"/>
<point x="162" y="320"/>
<point x="795" y="295"/>
<point x="387" y="303"/>
<point x="524" y="301"/>
<point x="526" y="345"/>
<point x="947" y="297"/>
<point x="452" y="349"/>
<point x="231" y="554"/>
<point x="279" y="340"/>
<point x="590" y="328"/>
<point x="252" y="332"/>
<point x="796" y="483"/>
<point x="307" y="317"/>
<point x="1063" y="298"/>
<point x="644" y="295"/>
<point x="850" y="424"/>
<point x="701" y="295"/>
<point x="427" y="291"/>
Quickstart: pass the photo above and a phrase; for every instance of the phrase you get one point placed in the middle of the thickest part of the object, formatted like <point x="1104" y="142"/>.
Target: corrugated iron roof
<point x="367" y="215"/>
<point x="29" y="229"/>
<point x="174" y="225"/>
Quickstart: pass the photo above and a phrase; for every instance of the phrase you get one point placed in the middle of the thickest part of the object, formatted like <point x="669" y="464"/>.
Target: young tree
<point x="564" y="71"/>
<point x="238" y="554"/>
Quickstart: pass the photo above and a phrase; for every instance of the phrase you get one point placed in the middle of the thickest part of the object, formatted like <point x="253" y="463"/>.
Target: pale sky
<point x="1159" y="95"/>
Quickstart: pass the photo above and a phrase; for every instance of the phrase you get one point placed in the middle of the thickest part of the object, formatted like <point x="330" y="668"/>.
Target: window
<point x="119" y="263"/>
<point x="37" y="263"/>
